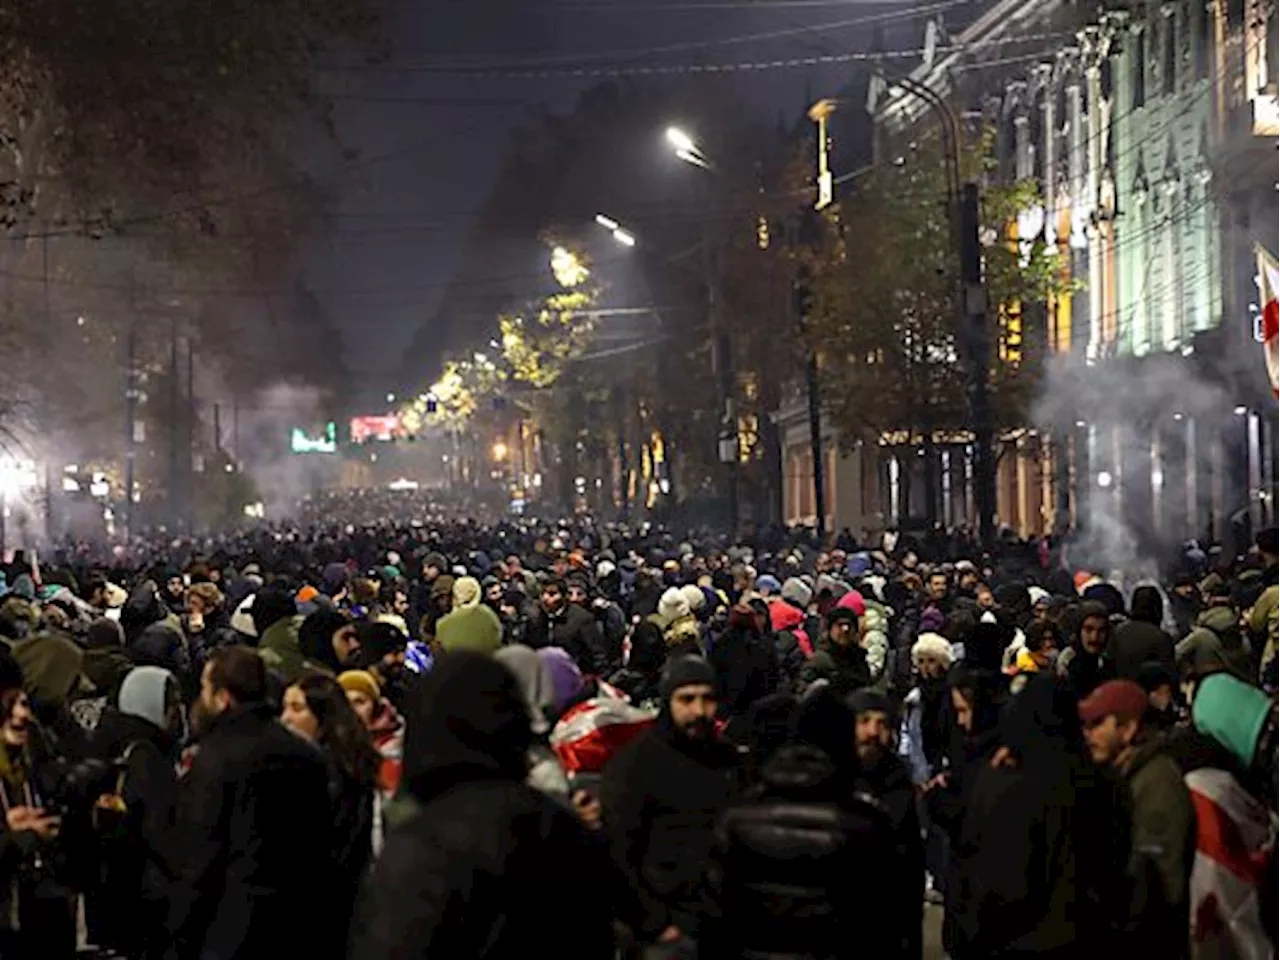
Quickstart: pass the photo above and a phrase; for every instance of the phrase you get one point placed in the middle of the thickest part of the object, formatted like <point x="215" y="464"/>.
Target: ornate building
<point x="1150" y="132"/>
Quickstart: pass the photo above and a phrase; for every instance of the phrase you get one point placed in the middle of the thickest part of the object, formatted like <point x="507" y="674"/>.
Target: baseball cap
<point x="1122" y="699"/>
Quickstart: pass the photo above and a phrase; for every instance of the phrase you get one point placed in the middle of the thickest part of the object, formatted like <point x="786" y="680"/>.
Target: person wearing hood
<point x="640" y="677"/>
<point x="840" y="659"/>
<point x="803" y="829"/>
<point x="142" y="730"/>
<point x="1140" y="639"/>
<point x="251" y="842"/>
<point x="328" y="641"/>
<point x="1084" y="665"/>
<point x="106" y="663"/>
<point x="472" y="625"/>
<point x="976" y="697"/>
<point x="791" y="644"/>
<point x="143" y="608"/>
<point x="743" y="659"/>
<point x="661" y="795"/>
<point x="538" y="687"/>
<point x="1041" y="855"/>
<point x="1185" y="602"/>
<point x="1215" y="643"/>
<point x="482" y="868"/>
<point x="277" y="622"/>
<point x="162" y="645"/>
<point x="36" y="917"/>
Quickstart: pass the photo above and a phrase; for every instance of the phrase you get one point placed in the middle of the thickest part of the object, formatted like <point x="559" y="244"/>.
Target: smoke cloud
<point x="1122" y="408"/>
<point x="265" y="422"/>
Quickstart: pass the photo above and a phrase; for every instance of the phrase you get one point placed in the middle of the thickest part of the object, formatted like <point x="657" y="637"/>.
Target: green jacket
<point x="1163" y="820"/>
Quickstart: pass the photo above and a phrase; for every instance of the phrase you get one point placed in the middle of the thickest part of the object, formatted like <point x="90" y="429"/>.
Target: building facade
<point x="1150" y="131"/>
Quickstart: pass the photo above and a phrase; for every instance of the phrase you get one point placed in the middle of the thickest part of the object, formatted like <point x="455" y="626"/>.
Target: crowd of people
<point x="347" y="738"/>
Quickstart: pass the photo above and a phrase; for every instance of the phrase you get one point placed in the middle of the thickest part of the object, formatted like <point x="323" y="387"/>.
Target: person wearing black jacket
<point x="559" y="623"/>
<point x="661" y="796"/>
<point x="251" y="845"/>
<point x="486" y="866"/>
<point x="1044" y="844"/>
<point x="1140" y="640"/>
<point x="803" y="829"/>
<point x="141" y="733"/>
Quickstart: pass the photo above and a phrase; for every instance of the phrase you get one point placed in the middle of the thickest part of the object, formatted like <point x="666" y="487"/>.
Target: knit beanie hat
<point x="672" y="606"/>
<point x="796" y="592"/>
<point x="931" y="645"/>
<point x="360" y="681"/>
<point x="466" y="592"/>
<point x="694" y="597"/>
<point x="474" y="627"/>
<point x="1232" y="712"/>
<point x="685" y="671"/>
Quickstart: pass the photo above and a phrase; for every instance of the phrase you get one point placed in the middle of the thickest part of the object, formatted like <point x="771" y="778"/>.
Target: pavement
<point x="933" y="932"/>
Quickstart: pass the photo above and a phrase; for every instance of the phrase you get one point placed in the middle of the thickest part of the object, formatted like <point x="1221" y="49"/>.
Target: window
<point x="1203" y="36"/>
<point x="1139" y="66"/>
<point x="1170" y="68"/>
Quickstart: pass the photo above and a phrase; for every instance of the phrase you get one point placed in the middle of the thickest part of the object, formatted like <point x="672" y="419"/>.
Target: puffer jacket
<point x="803" y="831"/>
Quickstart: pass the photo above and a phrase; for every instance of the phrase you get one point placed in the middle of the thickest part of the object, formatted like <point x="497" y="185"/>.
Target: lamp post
<point x="688" y="150"/>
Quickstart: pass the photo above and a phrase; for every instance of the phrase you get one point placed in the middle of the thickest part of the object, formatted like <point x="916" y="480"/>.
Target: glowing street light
<point x="607" y="222"/>
<point x="499" y="451"/>
<point x="681" y="141"/>
<point x="624" y="237"/>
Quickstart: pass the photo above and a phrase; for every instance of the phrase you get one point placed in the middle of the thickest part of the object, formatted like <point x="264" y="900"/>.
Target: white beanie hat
<point x="694" y="597"/>
<point x="672" y="606"/>
<point x="931" y="645"/>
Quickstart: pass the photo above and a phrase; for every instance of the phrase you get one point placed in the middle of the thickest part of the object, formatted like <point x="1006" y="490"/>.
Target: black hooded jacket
<point x="1140" y="640"/>
<point x="487" y="866"/>
<point x="787" y="873"/>
<point x="1041" y="855"/>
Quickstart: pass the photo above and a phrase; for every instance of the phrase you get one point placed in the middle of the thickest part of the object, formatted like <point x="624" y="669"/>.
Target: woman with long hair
<point x="317" y="709"/>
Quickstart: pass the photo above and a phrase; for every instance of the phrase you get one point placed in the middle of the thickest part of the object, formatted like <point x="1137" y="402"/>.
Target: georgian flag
<point x="1268" y="286"/>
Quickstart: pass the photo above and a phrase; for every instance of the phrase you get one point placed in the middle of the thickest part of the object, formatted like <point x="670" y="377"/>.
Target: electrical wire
<point x="588" y="57"/>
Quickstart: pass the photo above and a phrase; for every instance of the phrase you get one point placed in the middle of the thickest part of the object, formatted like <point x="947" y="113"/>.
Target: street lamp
<point x="686" y="148"/>
<point x="620" y="234"/>
<point x="499" y="451"/>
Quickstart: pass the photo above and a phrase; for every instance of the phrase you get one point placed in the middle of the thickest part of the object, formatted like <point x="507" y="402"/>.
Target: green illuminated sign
<point x="299" y="442"/>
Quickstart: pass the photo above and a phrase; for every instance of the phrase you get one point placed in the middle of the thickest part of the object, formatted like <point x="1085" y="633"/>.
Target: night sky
<point x="426" y="143"/>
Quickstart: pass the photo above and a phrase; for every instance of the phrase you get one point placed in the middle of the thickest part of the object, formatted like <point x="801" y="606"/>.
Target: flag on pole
<point x="1268" y="286"/>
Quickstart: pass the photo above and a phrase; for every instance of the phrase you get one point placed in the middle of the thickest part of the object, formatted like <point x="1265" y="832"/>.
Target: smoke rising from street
<point x="1157" y="393"/>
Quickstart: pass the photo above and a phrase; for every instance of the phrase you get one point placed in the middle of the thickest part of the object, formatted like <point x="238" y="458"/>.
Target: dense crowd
<point x="410" y="736"/>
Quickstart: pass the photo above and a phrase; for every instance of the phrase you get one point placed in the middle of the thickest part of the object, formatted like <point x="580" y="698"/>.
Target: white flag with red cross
<point x="1268" y="286"/>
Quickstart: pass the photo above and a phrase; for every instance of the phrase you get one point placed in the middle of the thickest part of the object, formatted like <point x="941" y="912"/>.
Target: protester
<point x="482" y="868"/>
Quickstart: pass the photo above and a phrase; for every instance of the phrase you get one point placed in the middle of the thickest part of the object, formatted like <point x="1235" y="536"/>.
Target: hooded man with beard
<point x="661" y="796"/>
<point x="482" y="869"/>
